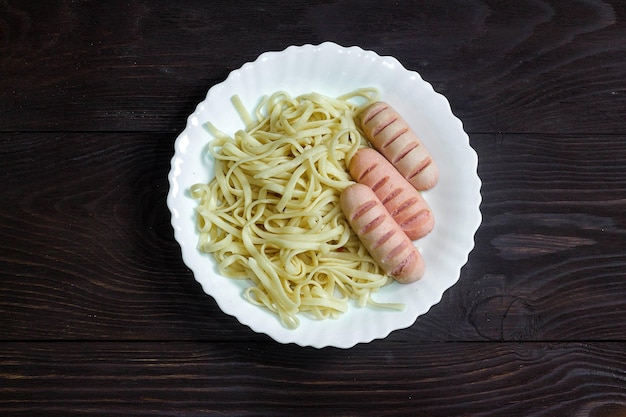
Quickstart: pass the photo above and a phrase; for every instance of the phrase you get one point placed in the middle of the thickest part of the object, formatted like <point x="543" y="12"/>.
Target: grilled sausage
<point x="405" y="204"/>
<point x="394" y="138"/>
<point x="380" y="234"/>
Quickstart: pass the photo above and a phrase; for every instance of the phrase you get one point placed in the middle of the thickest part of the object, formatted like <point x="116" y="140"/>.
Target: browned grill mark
<point x="380" y="183"/>
<point x="400" y="267"/>
<point x="393" y="194"/>
<point x="373" y="224"/>
<point x="377" y="131"/>
<point x="416" y="217"/>
<point x="405" y="152"/>
<point x="362" y="209"/>
<point x="395" y="251"/>
<point x="374" y="114"/>
<point x="393" y="139"/>
<point x="425" y="163"/>
<point x="383" y="239"/>
<point x="405" y="205"/>
<point x="367" y="171"/>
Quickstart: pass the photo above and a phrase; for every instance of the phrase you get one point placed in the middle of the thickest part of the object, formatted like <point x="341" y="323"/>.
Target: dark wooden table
<point x="100" y="316"/>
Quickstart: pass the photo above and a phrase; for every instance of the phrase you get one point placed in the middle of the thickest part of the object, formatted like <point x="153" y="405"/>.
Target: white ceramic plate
<point x="334" y="70"/>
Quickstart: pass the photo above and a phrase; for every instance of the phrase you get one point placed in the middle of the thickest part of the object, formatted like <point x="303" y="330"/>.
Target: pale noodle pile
<point x="272" y="213"/>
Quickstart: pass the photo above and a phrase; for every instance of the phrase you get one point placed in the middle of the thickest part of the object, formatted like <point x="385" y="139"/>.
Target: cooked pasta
<point x="271" y="214"/>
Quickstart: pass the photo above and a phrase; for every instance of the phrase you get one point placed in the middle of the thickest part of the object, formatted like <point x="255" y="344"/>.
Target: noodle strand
<point x="271" y="213"/>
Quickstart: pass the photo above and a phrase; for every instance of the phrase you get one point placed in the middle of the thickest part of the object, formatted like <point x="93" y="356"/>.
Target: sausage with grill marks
<point x="405" y="204"/>
<point x="380" y="234"/>
<point x="393" y="137"/>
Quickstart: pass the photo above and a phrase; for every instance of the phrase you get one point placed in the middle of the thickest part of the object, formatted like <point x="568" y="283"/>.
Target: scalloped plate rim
<point x="188" y="246"/>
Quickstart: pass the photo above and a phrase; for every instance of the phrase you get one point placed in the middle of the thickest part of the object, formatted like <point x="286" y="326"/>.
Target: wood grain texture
<point x="461" y="379"/>
<point x="543" y="66"/>
<point x="100" y="317"/>
<point x="88" y="246"/>
<point x="88" y="250"/>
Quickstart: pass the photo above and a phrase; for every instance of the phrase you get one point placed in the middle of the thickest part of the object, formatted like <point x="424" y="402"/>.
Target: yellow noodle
<point x="271" y="213"/>
<point x="241" y="109"/>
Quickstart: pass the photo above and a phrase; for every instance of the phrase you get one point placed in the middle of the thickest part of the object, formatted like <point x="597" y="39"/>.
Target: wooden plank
<point x="87" y="246"/>
<point x="87" y="250"/>
<point x="505" y="66"/>
<point x="460" y="379"/>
